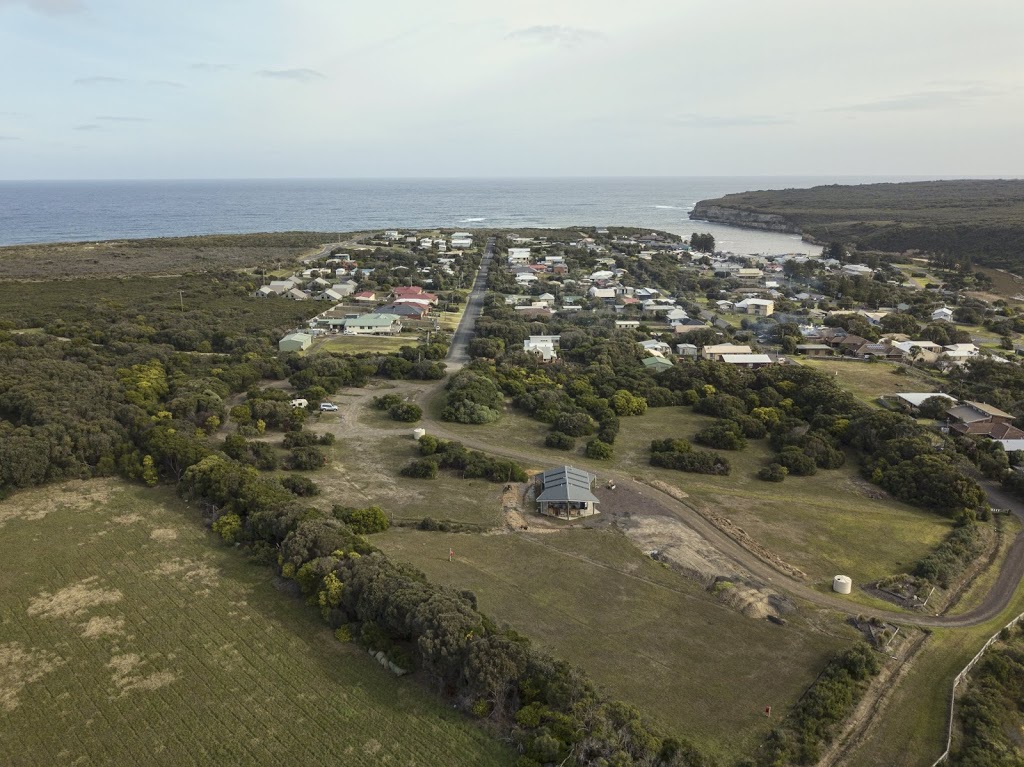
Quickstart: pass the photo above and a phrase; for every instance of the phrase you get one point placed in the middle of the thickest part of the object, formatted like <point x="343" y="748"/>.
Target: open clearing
<point x="643" y="633"/>
<point x="868" y="381"/>
<point x="340" y="344"/>
<point x="127" y="631"/>
<point x="833" y="522"/>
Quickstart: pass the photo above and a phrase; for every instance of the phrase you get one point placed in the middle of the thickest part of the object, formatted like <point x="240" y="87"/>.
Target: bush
<point x="428" y="444"/>
<point x="951" y="557"/>
<point x="797" y="461"/>
<point x="725" y="435"/>
<point x="602" y="451"/>
<point x="678" y="454"/>
<point x="364" y="521"/>
<point x="387" y="401"/>
<point x="773" y="472"/>
<point x="298" y="439"/>
<point x="559" y="441"/>
<point x="421" y="468"/>
<point x="301" y="486"/>
<point x="405" y="411"/>
<point x="306" y="458"/>
<point x="577" y="424"/>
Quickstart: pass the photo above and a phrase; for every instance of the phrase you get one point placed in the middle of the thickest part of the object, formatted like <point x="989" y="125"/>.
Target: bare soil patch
<point x="73" y="601"/>
<point x="20" y="666"/>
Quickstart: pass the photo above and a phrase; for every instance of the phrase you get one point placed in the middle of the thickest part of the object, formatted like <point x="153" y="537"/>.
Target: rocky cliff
<point x="717" y="214"/>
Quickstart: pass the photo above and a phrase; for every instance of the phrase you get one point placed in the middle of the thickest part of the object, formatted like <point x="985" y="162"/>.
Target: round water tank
<point x="417" y="433"/>
<point x="842" y="584"/>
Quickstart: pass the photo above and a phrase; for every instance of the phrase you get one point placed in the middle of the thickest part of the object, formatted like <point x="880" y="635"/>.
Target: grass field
<point x="129" y="635"/>
<point x="870" y="380"/>
<point x="643" y="633"/>
<point x="833" y="522"/>
<point x="340" y="344"/>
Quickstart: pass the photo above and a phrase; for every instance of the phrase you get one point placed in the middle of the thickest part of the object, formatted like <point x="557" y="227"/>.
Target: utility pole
<point x="181" y="300"/>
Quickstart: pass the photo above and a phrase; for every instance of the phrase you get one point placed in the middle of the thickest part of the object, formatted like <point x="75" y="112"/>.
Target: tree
<point x="626" y="403"/>
<point x="835" y="250"/>
<point x="364" y="521"/>
<point x="599" y="450"/>
<point x="702" y="243"/>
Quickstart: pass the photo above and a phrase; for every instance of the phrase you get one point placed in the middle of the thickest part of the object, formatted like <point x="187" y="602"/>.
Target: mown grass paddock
<point x="130" y="635"/>
<point x="643" y="633"/>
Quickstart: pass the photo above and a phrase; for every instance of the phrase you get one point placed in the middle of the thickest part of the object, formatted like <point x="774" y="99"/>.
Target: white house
<point x="762" y="307"/>
<point x="942" y="315"/>
<point x="657" y="348"/>
<point x="519" y="255"/>
<point x="747" y="360"/>
<point x="374" y="325"/>
<point x="717" y="351"/>
<point x="545" y="346"/>
<point x="461" y="243"/>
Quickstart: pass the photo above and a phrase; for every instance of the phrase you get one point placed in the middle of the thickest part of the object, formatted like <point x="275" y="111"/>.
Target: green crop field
<point x="130" y="635"/>
<point x="645" y="634"/>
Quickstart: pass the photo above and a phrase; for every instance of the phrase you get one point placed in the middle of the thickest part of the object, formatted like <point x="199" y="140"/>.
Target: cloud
<point x="99" y="80"/>
<point x="205" y="66"/>
<point x="49" y="7"/>
<point x="13" y="114"/>
<point x="727" y="121"/>
<point x="910" y="102"/>
<point x="106" y="80"/>
<point x="10" y="138"/>
<point x="87" y="127"/>
<point x="301" y="75"/>
<point x="564" y="37"/>
<point x="123" y="119"/>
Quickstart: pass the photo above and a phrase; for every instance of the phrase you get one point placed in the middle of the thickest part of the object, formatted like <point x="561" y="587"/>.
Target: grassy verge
<point x="913" y="730"/>
<point x="340" y="344"/>
<point x="870" y="380"/>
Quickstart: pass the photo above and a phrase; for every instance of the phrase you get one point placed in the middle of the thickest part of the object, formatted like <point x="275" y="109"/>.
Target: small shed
<point x="566" y="492"/>
<point x="295" y="342"/>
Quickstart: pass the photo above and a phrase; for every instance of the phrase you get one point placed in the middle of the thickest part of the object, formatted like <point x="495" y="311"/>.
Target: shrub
<point x="421" y="468"/>
<point x="602" y="451"/>
<point x="559" y="441"/>
<point x="797" y="461"/>
<point x="773" y="472"/>
<point x="387" y="401"/>
<point x="577" y="424"/>
<point x="405" y="411"/>
<point x="725" y="435"/>
<point x="228" y="527"/>
<point x="678" y="454"/>
<point x="364" y="521"/>
<point x="428" y="444"/>
<point x="301" y="486"/>
<point x="306" y="458"/>
<point x="298" y="439"/>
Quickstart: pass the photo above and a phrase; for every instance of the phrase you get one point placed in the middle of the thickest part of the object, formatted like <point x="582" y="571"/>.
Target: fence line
<point x="960" y="678"/>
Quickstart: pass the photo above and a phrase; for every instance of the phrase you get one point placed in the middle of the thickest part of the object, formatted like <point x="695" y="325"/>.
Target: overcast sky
<point x="335" y="88"/>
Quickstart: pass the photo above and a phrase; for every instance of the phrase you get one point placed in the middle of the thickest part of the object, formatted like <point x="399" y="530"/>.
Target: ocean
<point x="67" y="211"/>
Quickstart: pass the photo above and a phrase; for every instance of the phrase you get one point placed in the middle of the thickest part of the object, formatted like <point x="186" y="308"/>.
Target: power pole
<point x="181" y="300"/>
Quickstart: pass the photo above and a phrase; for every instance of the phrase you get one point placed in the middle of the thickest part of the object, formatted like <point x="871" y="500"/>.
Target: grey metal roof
<point x="567" y="483"/>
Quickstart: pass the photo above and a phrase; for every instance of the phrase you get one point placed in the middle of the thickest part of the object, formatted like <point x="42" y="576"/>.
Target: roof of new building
<point x="374" y="320"/>
<point x="989" y="409"/>
<point x="744" y="359"/>
<point x="567" y="483"/>
<point x="916" y="399"/>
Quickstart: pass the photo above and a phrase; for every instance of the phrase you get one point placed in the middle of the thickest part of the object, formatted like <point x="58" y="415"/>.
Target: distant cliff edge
<point x="982" y="220"/>
<point x="771" y="222"/>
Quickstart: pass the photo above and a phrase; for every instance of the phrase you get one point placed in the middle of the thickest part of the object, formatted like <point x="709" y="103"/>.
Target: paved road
<point x="458" y="354"/>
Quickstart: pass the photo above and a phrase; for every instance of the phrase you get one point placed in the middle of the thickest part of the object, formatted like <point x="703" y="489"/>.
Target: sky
<point x="119" y="89"/>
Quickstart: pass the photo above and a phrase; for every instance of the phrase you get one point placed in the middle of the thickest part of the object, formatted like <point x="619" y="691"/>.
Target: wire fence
<point x="960" y="678"/>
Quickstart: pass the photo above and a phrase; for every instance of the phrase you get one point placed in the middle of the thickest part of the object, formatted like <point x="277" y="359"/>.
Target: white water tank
<point x="842" y="584"/>
<point x="417" y="433"/>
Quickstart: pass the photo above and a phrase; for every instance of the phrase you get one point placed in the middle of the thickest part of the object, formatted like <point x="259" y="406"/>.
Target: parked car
<point x="328" y="407"/>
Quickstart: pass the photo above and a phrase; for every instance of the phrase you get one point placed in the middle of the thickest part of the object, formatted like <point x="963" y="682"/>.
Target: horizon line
<point x="923" y="176"/>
